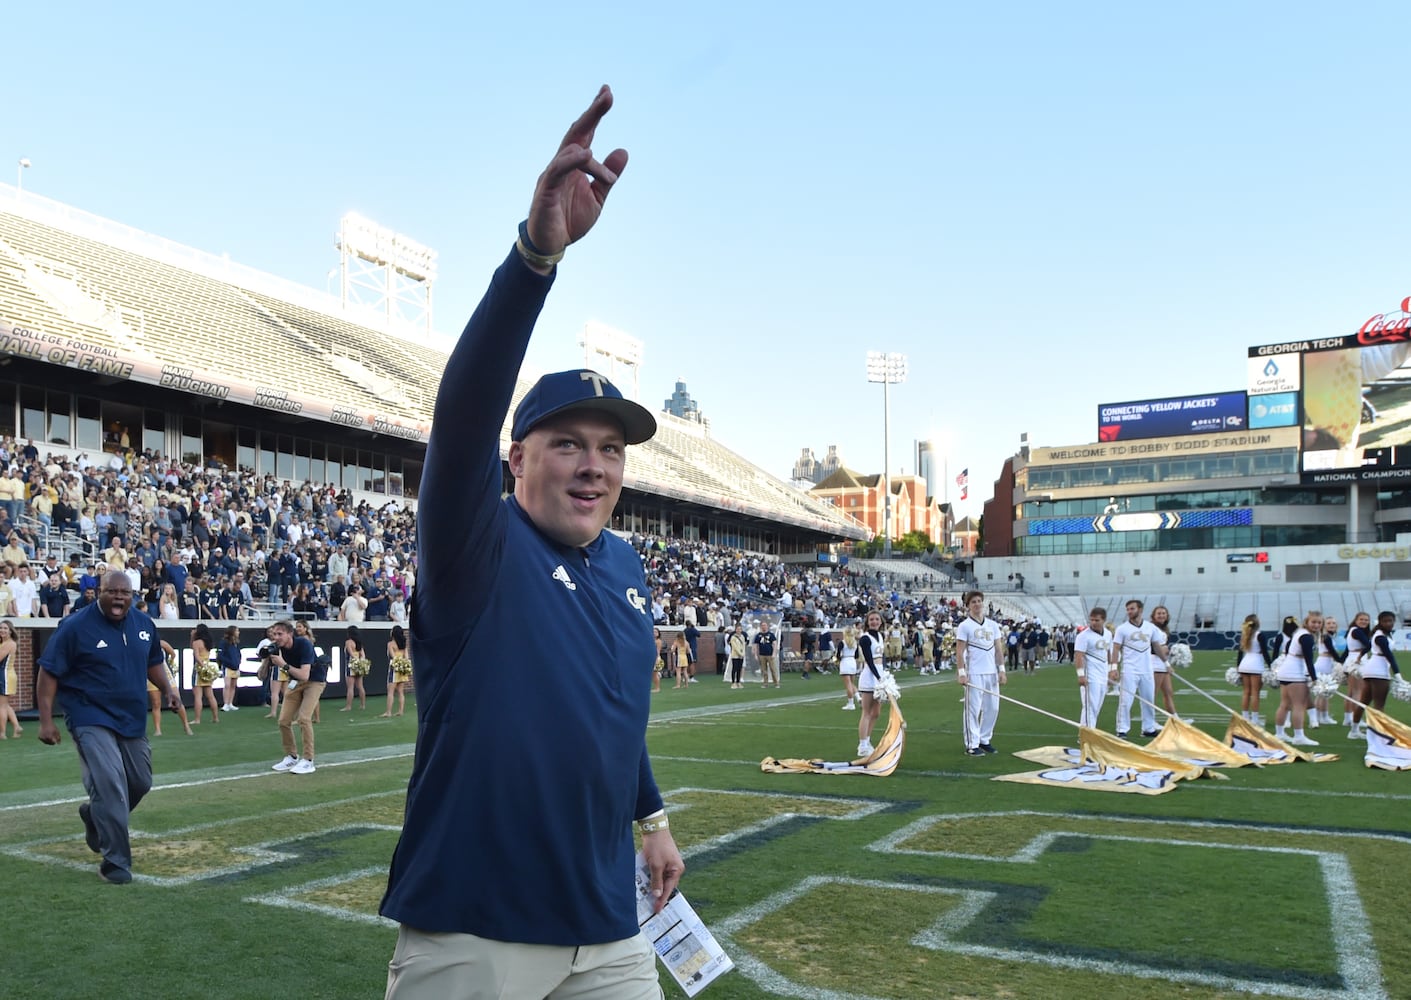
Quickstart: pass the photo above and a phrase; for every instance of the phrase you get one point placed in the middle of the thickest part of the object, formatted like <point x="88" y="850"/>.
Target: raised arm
<point x="459" y="513"/>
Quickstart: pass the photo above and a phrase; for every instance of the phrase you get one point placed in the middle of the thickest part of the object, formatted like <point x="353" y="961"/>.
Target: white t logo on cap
<point x="596" y="379"/>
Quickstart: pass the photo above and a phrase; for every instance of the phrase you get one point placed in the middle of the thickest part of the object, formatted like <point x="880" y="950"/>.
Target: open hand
<point x="570" y="193"/>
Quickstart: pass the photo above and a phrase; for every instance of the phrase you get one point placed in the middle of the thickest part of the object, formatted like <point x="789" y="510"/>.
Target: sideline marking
<point x="205" y="776"/>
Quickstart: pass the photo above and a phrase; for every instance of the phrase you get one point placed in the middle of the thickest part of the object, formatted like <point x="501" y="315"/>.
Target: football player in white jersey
<point x="981" y="669"/>
<point x="1136" y="641"/>
<point x="1092" y="656"/>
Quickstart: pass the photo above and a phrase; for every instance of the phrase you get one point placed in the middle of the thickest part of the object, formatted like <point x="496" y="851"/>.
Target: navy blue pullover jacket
<point x="532" y="695"/>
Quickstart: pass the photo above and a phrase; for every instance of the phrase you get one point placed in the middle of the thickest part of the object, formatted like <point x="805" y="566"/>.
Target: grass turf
<point x="269" y="882"/>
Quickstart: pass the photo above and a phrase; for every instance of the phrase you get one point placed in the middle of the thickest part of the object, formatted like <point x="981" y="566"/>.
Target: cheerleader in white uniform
<point x="1160" y="669"/>
<point x="1377" y="669"/>
<point x="1359" y="644"/>
<point x="1251" y="666"/>
<point x="871" y="644"/>
<point x="1326" y="663"/>
<point x="847" y="667"/>
<point x="1296" y="670"/>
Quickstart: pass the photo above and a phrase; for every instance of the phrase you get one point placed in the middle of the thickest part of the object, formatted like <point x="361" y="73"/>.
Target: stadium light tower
<point x="889" y="369"/>
<point x="19" y="173"/>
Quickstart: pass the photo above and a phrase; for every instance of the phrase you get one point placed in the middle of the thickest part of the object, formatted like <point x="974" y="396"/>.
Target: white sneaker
<point x="849" y="707"/>
<point x="303" y="767"/>
<point x="1313" y="722"/>
<point x="289" y="761"/>
<point x="864" y="748"/>
<point x="1300" y="740"/>
<point x="226" y="708"/>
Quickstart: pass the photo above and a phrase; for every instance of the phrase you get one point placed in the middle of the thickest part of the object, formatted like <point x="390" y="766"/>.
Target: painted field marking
<point x="290" y="899"/>
<point x="261" y="855"/>
<point x="1357" y="957"/>
<point x="861" y="808"/>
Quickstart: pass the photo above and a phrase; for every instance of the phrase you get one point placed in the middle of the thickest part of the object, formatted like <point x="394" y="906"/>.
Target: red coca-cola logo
<point x="1386" y="329"/>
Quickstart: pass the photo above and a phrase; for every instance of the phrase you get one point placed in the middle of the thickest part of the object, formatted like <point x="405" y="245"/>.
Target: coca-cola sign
<point x="1387" y="327"/>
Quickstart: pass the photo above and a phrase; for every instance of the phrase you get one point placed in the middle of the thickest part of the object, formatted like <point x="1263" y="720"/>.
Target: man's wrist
<point x="537" y="259"/>
<point x="654" y="823"/>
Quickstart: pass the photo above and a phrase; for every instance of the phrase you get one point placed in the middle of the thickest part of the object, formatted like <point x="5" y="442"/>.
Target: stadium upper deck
<point x="95" y="296"/>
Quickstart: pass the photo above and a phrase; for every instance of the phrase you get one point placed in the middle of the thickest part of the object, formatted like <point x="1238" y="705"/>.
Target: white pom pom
<point x="887" y="689"/>
<point x="1339" y="675"/>
<point x="1323" y="687"/>
<point x="1179" y="655"/>
<point x="1232" y="676"/>
<point x="1400" y="688"/>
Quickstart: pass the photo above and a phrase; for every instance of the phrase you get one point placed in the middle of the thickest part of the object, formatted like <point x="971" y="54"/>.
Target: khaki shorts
<point x="430" y="966"/>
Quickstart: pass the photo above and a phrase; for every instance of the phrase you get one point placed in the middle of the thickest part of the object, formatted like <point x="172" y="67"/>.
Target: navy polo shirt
<point x="101" y="667"/>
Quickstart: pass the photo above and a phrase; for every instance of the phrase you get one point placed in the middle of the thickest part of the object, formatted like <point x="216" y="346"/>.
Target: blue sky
<point x="1045" y="206"/>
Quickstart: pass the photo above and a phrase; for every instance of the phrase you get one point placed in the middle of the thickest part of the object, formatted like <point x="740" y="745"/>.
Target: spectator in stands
<point x="101" y="686"/>
<point x="87" y="596"/>
<point x="53" y="598"/>
<point x="13" y="552"/>
<point x="378" y="601"/>
<point x="354" y="607"/>
<point x="25" y="593"/>
<point x="12" y="493"/>
<point x="514" y="560"/>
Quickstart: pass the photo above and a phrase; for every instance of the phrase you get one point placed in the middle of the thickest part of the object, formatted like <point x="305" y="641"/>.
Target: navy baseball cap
<point x="580" y="389"/>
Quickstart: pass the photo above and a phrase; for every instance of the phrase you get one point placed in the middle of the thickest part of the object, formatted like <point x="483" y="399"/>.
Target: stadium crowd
<point x="200" y="543"/>
<point x="204" y="542"/>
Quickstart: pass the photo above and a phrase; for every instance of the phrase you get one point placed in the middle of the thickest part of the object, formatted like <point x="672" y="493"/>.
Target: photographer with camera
<point x="295" y="655"/>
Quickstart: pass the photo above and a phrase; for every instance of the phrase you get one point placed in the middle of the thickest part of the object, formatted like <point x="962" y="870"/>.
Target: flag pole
<point x="1024" y="704"/>
<point x="1201" y="691"/>
<point x="1169" y="715"/>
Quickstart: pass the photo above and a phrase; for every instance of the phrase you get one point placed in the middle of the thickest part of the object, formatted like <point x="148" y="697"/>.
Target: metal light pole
<point x="888" y="369"/>
<point x="19" y="174"/>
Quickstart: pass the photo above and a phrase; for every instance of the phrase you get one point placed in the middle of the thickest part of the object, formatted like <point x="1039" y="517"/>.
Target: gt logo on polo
<point x="144" y="635"/>
<point x="636" y="600"/>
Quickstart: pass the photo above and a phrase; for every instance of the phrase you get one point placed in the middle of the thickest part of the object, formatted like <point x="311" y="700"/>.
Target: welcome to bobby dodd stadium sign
<point x="1171" y="417"/>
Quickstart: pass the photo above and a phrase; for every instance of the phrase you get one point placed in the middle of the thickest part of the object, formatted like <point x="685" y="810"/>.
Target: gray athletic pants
<point x="117" y="773"/>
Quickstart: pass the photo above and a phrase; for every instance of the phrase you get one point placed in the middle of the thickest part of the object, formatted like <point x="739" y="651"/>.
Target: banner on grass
<point x="1388" y="742"/>
<point x="880" y="762"/>
<point x="1263" y="747"/>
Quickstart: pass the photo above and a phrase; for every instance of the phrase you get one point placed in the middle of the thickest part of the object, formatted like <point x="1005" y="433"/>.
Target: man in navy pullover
<point x="98" y="664"/>
<point x="514" y="876"/>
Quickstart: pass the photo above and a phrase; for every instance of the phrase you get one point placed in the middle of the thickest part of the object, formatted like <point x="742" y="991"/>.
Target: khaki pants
<point x="300" y="703"/>
<point x="427" y="966"/>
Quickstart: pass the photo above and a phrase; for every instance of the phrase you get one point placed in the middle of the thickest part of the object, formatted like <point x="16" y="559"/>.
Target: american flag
<point x="963" y="481"/>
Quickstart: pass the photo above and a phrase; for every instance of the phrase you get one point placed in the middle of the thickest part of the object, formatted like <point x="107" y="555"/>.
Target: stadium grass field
<point x="1283" y="881"/>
